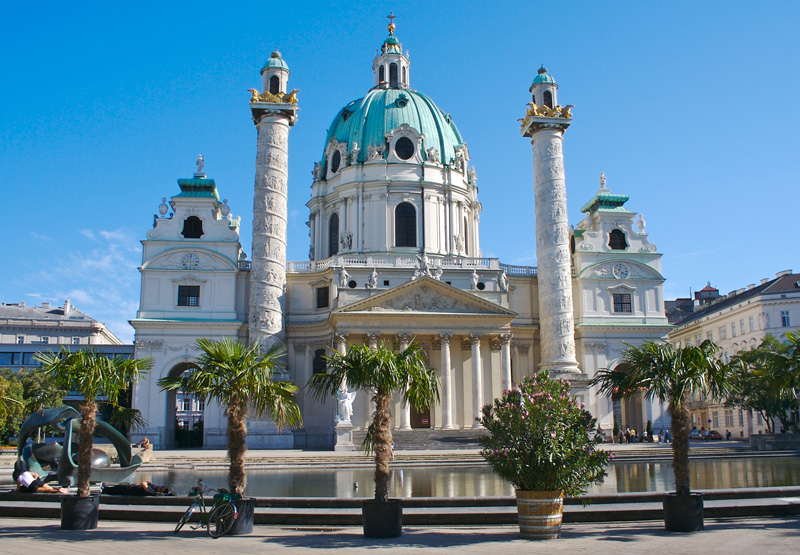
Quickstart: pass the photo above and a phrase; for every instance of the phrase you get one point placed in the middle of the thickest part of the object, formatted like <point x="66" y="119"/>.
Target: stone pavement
<point x="757" y="535"/>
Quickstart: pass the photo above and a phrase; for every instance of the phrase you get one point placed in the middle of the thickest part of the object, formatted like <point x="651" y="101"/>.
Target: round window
<point x="352" y="284"/>
<point x="404" y="148"/>
<point x="481" y="286"/>
<point x="336" y="159"/>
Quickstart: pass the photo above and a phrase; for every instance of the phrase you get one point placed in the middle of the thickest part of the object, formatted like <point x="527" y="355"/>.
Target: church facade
<point x="395" y="256"/>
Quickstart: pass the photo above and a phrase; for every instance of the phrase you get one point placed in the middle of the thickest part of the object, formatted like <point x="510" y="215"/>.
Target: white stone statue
<point x="317" y="172"/>
<point x="433" y="155"/>
<point x="372" y="283"/>
<point x="602" y="180"/>
<point x="201" y="163"/>
<point x="345" y="399"/>
<point x="459" y="242"/>
<point x="437" y="273"/>
<point x="475" y="278"/>
<point x="354" y="152"/>
<point x="343" y="278"/>
<point x="473" y="176"/>
<point x="502" y="280"/>
<point x="641" y="223"/>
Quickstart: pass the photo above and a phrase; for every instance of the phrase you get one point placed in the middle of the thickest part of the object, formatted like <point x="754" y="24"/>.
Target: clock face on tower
<point x="621" y="271"/>
<point x="190" y="261"/>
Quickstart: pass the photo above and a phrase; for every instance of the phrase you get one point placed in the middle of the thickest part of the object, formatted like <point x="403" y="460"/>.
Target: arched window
<point x="274" y="84"/>
<point x="192" y="228"/>
<point x="336" y="160"/>
<point x="616" y="240"/>
<point x="392" y="75"/>
<point x="533" y="98"/>
<point x="381" y="74"/>
<point x="405" y="80"/>
<point x="333" y="235"/>
<point x="405" y="225"/>
<point x="548" y="99"/>
<point x="319" y="365"/>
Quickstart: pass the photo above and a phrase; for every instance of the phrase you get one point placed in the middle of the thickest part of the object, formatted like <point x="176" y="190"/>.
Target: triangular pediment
<point x="426" y="295"/>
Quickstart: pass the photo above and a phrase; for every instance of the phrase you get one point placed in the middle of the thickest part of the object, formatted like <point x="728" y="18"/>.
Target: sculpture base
<point x="344" y="437"/>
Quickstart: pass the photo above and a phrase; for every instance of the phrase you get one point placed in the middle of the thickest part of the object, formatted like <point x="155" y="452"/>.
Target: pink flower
<point x="553" y="435"/>
<point x="611" y="455"/>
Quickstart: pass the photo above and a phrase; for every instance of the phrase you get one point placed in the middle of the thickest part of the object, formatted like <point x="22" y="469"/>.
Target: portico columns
<point x="405" y="411"/>
<point x="505" y="359"/>
<point x="447" y="373"/>
<point x="477" y="379"/>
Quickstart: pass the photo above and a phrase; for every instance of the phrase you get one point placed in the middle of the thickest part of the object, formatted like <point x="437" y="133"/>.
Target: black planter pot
<point x="80" y="513"/>
<point x="243" y="524"/>
<point x="683" y="513"/>
<point x="383" y="519"/>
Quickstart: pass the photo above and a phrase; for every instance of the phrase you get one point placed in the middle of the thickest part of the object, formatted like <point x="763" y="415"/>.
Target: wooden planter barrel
<point x="540" y="514"/>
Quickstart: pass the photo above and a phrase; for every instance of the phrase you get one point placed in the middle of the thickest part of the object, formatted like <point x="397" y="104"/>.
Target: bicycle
<point x="219" y="519"/>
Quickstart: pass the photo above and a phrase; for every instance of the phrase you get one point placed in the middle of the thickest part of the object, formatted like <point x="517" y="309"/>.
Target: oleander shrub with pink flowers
<point x="539" y="438"/>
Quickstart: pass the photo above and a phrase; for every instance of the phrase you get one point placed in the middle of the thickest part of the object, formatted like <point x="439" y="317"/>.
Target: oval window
<point x="404" y="148"/>
<point x="336" y="159"/>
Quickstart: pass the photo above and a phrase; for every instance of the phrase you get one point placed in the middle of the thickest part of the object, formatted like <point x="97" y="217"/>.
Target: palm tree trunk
<point x="237" y="447"/>
<point x="680" y="447"/>
<point x="85" y="444"/>
<point x="383" y="443"/>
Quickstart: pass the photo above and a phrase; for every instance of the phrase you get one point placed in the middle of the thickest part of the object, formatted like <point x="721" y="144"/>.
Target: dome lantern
<point x="275" y="74"/>
<point x="544" y="89"/>
<point x="391" y="66"/>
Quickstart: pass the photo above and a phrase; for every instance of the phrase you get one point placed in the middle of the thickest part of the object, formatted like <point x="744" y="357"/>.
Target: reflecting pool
<point x="478" y="480"/>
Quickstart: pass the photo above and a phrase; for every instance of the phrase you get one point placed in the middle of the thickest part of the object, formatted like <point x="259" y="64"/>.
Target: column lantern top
<point x="544" y="110"/>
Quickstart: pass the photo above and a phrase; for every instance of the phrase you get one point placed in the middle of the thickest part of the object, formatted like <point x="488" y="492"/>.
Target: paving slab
<point x="724" y="536"/>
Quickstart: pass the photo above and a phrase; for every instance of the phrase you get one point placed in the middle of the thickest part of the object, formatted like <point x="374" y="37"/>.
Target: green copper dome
<point x="543" y="77"/>
<point x="367" y="120"/>
<point x="275" y="62"/>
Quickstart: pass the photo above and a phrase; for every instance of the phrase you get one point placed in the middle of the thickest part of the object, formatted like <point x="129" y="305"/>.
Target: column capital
<point x="475" y="338"/>
<point x="505" y="339"/>
<point x="404" y="338"/>
<point x="445" y="338"/>
<point x="372" y="339"/>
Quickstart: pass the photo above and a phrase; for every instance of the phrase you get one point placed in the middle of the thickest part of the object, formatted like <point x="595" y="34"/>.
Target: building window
<point x="622" y="302"/>
<point x="697" y="339"/>
<point x="6" y="359"/>
<point x="548" y="99"/>
<point x="710" y="335"/>
<point x="319" y="366"/>
<point x="336" y="161"/>
<point x="405" y="79"/>
<point x="752" y="324"/>
<point x="28" y="360"/>
<point x="723" y="333"/>
<point x="188" y="295"/>
<point x="405" y="225"/>
<point x="715" y="419"/>
<point x="733" y="329"/>
<point x="20" y="339"/>
<point x="741" y="418"/>
<point x="381" y="74"/>
<point x="785" y="322"/>
<point x="187" y="403"/>
<point x="333" y="235"/>
<point x="741" y="327"/>
<point x="43" y="340"/>
<point x="404" y="148"/>
<point x="192" y="228"/>
<point x="201" y="405"/>
<point x="323" y="297"/>
<point x="76" y="340"/>
<point x="274" y="84"/>
<point x="392" y="75"/>
<point x="616" y="240"/>
<point x="729" y="418"/>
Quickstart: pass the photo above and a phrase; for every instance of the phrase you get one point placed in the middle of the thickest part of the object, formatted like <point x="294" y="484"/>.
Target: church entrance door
<point x="421" y="419"/>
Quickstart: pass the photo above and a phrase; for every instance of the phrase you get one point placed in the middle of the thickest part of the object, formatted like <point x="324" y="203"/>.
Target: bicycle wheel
<point x="185" y="518"/>
<point x="220" y="519"/>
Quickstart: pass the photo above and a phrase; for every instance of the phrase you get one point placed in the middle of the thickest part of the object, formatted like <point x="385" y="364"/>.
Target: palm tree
<point x="94" y="374"/>
<point x="239" y="376"/>
<point x="672" y="375"/>
<point x="384" y="372"/>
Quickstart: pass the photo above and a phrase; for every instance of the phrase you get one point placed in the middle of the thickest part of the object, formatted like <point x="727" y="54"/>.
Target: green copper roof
<point x="198" y="188"/>
<point x="543" y="77"/>
<point x="367" y="120"/>
<point x="275" y="61"/>
<point x="606" y="203"/>
<point x="392" y="45"/>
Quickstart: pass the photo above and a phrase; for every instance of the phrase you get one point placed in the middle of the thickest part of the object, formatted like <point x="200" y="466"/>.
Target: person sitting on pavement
<point x="29" y="482"/>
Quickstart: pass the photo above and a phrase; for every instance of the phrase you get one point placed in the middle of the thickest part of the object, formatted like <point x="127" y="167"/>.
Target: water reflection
<point x="479" y="481"/>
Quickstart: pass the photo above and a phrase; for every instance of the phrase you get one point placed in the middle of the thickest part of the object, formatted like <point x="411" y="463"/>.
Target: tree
<point x="384" y="372"/>
<point x="766" y="378"/>
<point x="11" y="407"/>
<point x="239" y="377"/>
<point x="672" y="375"/>
<point x="93" y="374"/>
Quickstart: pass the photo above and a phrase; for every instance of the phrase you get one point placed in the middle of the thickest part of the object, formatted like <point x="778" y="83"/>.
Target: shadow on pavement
<point x="53" y="532"/>
<point x="409" y="539"/>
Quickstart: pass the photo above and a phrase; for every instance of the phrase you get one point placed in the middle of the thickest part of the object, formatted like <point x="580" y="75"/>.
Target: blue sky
<point x="688" y="107"/>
